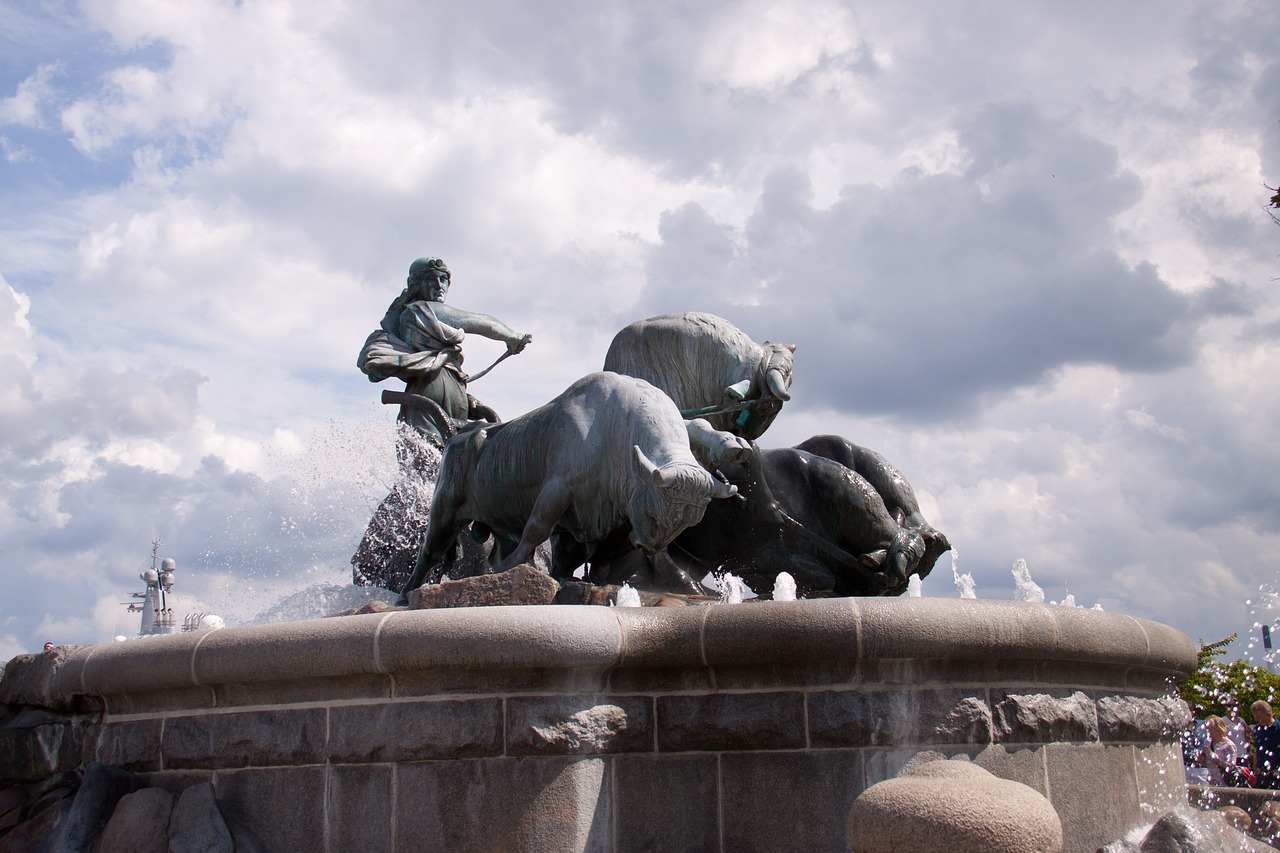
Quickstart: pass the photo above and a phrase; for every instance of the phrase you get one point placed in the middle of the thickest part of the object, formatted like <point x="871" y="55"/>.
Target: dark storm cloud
<point x="921" y="297"/>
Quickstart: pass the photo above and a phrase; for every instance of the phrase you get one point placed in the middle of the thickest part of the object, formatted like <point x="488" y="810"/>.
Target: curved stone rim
<point x="843" y="631"/>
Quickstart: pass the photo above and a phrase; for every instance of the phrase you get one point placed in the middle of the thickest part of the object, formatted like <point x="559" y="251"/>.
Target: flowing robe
<point x="416" y="346"/>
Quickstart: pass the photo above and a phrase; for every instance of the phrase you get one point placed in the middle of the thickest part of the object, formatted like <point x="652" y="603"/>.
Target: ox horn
<point x="721" y="489"/>
<point x="777" y="384"/>
<point x="647" y="466"/>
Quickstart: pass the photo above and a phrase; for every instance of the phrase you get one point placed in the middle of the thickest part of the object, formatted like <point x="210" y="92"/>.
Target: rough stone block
<point x="1129" y="718"/>
<point x="954" y="806"/>
<point x="27" y="754"/>
<point x="375" y="606"/>
<point x="414" y="731"/>
<point x="579" y="725"/>
<point x="60" y="784"/>
<point x="722" y="721"/>
<point x="31" y="834"/>
<point x="252" y="738"/>
<point x="132" y="745"/>
<point x="197" y="826"/>
<point x="522" y="585"/>
<point x="140" y="823"/>
<point x="101" y="790"/>
<point x="360" y="807"/>
<point x="604" y="595"/>
<point x="34" y="679"/>
<point x="667" y="803"/>
<point x="893" y="718"/>
<point x="1044" y="717"/>
<point x="278" y="808"/>
<point x="522" y="804"/>
<point x="788" y="801"/>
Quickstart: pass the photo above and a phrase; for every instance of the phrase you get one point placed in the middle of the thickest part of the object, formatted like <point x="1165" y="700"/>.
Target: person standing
<point x="1266" y="745"/>
<point x="1219" y="754"/>
<point x="1237" y="728"/>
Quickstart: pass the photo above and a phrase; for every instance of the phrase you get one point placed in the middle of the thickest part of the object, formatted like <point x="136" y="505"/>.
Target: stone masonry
<point x="745" y="727"/>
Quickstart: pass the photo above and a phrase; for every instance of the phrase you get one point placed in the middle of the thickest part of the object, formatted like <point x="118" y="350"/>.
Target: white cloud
<point x="1021" y="252"/>
<point x="765" y="45"/>
<point x="26" y="106"/>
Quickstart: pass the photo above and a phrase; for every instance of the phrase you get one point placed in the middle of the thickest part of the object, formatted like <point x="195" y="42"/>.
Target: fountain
<point x="586" y="728"/>
<point x="747" y="726"/>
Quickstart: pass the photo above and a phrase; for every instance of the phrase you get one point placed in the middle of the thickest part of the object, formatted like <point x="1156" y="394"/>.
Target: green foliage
<point x="1213" y="683"/>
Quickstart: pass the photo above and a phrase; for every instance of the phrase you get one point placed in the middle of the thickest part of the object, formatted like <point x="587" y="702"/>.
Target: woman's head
<point x="1217" y="727"/>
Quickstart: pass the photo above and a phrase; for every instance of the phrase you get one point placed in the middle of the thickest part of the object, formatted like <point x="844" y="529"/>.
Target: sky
<point x="1023" y="251"/>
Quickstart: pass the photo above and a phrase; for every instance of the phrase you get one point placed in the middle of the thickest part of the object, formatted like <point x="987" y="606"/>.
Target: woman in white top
<point x="1219" y="755"/>
<point x="1237" y="730"/>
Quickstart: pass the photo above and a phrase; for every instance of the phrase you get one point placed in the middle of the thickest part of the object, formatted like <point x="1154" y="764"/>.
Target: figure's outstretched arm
<point x="474" y="323"/>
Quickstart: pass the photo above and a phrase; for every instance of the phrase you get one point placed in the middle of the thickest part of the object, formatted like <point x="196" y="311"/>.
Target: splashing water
<point x="1265" y="611"/>
<point x="915" y="587"/>
<point x="784" y="587"/>
<point x="732" y="589"/>
<point x="628" y="597"/>
<point x="965" y="583"/>
<point x="1025" y="589"/>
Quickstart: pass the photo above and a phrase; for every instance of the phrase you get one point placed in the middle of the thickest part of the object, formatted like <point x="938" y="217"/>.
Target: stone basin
<point x="745" y="727"/>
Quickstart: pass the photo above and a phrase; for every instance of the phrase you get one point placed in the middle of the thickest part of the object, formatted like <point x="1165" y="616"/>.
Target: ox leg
<point x="432" y="551"/>
<point x="670" y="576"/>
<point x="567" y="554"/>
<point x="553" y="501"/>
<point x="443" y="527"/>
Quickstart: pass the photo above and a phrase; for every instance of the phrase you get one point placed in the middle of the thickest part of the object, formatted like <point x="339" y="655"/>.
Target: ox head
<point x="668" y="500"/>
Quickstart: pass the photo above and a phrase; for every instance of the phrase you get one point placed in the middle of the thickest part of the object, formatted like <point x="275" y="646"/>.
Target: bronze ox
<point x="610" y="455"/>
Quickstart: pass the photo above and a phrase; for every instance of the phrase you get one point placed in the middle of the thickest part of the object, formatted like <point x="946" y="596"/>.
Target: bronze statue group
<point x="646" y="472"/>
